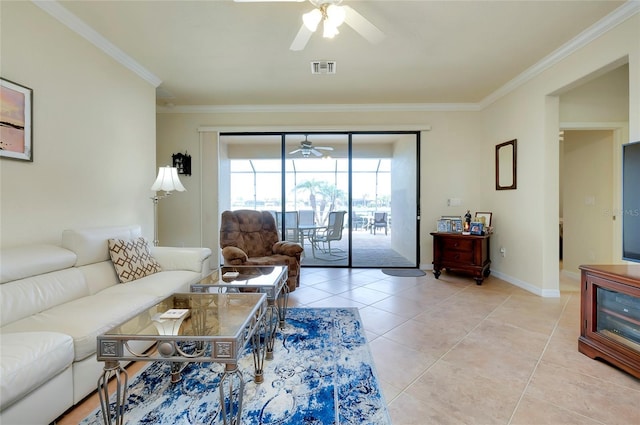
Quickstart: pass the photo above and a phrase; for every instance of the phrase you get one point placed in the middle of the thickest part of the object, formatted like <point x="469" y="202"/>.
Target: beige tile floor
<point x="450" y="352"/>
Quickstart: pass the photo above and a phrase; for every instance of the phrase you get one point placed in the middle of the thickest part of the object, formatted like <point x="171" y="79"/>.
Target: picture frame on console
<point x="487" y="217"/>
<point x="444" y="226"/>
<point x="16" y="129"/>
<point x="456" y="225"/>
<point x="477" y="228"/>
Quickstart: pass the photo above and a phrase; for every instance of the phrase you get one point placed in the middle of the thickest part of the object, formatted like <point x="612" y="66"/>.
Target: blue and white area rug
<point x="322" y="373"/>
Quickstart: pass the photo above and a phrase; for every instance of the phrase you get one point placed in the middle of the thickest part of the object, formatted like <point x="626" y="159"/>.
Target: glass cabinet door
<point x="618" y="317"/>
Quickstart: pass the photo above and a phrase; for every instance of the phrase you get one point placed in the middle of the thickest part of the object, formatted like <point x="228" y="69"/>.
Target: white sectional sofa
<point x="55" y="300"/>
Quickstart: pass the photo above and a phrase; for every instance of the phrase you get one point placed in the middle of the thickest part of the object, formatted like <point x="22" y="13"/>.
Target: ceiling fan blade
<point x="302" y="38"/>
<point x="295" y="151"/>
<point x="362" y="26"/>
<point x="324" y="148"/>
<point x="315" y="152"/>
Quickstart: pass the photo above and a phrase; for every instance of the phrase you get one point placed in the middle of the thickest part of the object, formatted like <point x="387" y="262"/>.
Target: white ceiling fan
<point x="331" y="13"/>
<point x="306" y="148"/>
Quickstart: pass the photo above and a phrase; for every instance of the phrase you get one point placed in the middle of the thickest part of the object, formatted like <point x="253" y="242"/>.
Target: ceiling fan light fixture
<point x="329" y="30"/>
<point x="335" y="15"/>
<point x="312" y="19"/>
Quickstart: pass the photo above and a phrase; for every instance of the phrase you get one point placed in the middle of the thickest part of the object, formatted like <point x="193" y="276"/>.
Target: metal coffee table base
<point x="276" y="312"/>
<point x="112" y="369"/>
<point x="244" y="316"/>
<point x="231" y="387"/>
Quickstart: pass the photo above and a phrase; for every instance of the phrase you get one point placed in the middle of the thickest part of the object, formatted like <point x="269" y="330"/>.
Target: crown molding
<point x="371" y="107"/>
<point x="75" y="24"/>
<point x="589" y="125"/>
<point x="605" y="24"/>
<point x="621" y="14"/>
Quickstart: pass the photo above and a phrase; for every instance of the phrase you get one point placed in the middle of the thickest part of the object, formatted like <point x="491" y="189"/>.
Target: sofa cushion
<point x="99" y="276"/>
<point x="174" y="258"/>
<point x="98" y="314"/>
<point x="29" y="360"/>
<point x="105" y="310"/>
<point x="132" y="259"/>
<point x="90" y="244"/>
<point x="32" y="260"/>
<point x="22" y="298"/>
<point x="159" y="285"/>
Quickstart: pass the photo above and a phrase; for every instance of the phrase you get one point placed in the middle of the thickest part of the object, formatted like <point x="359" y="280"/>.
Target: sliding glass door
<point x="349" y="198"/>
<point x="317" y="187"/>
<point x="385" y="200"/>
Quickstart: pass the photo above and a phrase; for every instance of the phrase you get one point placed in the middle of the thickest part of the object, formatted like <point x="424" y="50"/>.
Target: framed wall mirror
<point x="506" y="165"/>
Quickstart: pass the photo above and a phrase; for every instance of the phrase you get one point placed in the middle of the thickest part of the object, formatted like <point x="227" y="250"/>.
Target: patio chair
<point x="291" y="231"/>
<point x="306" y="225"/>
<point x="379" y="220"/>
<point x="323" y="237"/>
<point x="357" y="221"/>
<point x="250" y="238"/>
<point x="306" y="217"/>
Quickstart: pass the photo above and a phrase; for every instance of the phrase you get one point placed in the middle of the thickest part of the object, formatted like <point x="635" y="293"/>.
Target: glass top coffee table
<point x="187" y="327"/>
<point x="269" y="280"/>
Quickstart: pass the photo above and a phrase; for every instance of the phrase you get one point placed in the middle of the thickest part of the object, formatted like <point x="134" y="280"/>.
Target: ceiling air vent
<point x="323" y="67"/>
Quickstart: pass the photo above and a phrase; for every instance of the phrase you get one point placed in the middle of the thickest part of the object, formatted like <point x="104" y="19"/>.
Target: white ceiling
<point x="223" y="53"/>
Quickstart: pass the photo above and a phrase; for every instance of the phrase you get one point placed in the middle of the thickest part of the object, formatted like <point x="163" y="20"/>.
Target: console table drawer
<point x="457" y="256"/>
<point x="457" y="245"/>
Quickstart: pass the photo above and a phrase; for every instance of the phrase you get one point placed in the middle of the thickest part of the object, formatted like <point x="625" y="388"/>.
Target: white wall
<point x="451" y="134"/>
<point x="603" y="99"/>
<point x="599" y="106"/>
<point x="528" y="216"/>
<point x="403" y="199"/>
<point x="588" y="198"/>
<point x="93" y="137"/>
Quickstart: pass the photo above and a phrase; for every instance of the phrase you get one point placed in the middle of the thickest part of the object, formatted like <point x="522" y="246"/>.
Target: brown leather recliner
<point x="250" y="238"/>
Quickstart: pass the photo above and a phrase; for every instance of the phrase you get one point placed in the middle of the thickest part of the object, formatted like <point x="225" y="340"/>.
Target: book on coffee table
<point x="174" y="313"/>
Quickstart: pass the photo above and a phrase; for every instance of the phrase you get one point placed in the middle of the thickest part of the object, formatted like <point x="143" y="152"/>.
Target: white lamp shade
<point x="312" y="19"/>
<point x="329" y="30"/>
<point x="168" y="180"/>
<point x="335" y="15"/>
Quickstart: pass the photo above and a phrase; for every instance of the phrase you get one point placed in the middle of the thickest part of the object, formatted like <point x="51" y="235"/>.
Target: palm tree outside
<point x="323" y="197"/>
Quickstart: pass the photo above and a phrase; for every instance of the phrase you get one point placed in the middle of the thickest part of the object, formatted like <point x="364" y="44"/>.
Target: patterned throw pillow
<point x="132" y="259"/>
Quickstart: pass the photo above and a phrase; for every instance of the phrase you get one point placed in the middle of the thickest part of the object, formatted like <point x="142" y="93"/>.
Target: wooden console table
<point x="467" y="253"/>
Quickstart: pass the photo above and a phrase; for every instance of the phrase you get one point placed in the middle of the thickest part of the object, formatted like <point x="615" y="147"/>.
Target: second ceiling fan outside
<point x="306" y="148"/>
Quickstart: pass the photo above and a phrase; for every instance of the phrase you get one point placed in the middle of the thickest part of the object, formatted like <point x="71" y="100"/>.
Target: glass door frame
<point x="350" y="135"/>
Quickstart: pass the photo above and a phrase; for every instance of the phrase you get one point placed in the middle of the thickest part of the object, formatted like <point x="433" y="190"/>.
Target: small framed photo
<point x="476" y="228"/>
<point x="16" y="121"/>
<point x="456" y="225"/>
<point x="444" y="225"/>
<point x="484" y="217"/>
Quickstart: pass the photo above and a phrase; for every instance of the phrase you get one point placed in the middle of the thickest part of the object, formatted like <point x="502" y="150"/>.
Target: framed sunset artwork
<point x="16" y="131"/>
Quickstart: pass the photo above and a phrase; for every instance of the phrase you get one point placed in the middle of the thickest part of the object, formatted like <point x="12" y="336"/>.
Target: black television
<point x="631" y="202"/>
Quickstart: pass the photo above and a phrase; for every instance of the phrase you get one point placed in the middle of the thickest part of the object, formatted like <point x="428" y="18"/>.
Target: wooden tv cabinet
<point x="610" y="315"/>
<point x="466" y="253"/>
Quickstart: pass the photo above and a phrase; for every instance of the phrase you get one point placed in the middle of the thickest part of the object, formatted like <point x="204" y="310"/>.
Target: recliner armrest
<point x="291" y="249"/>
<point x="234" y="255"/>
